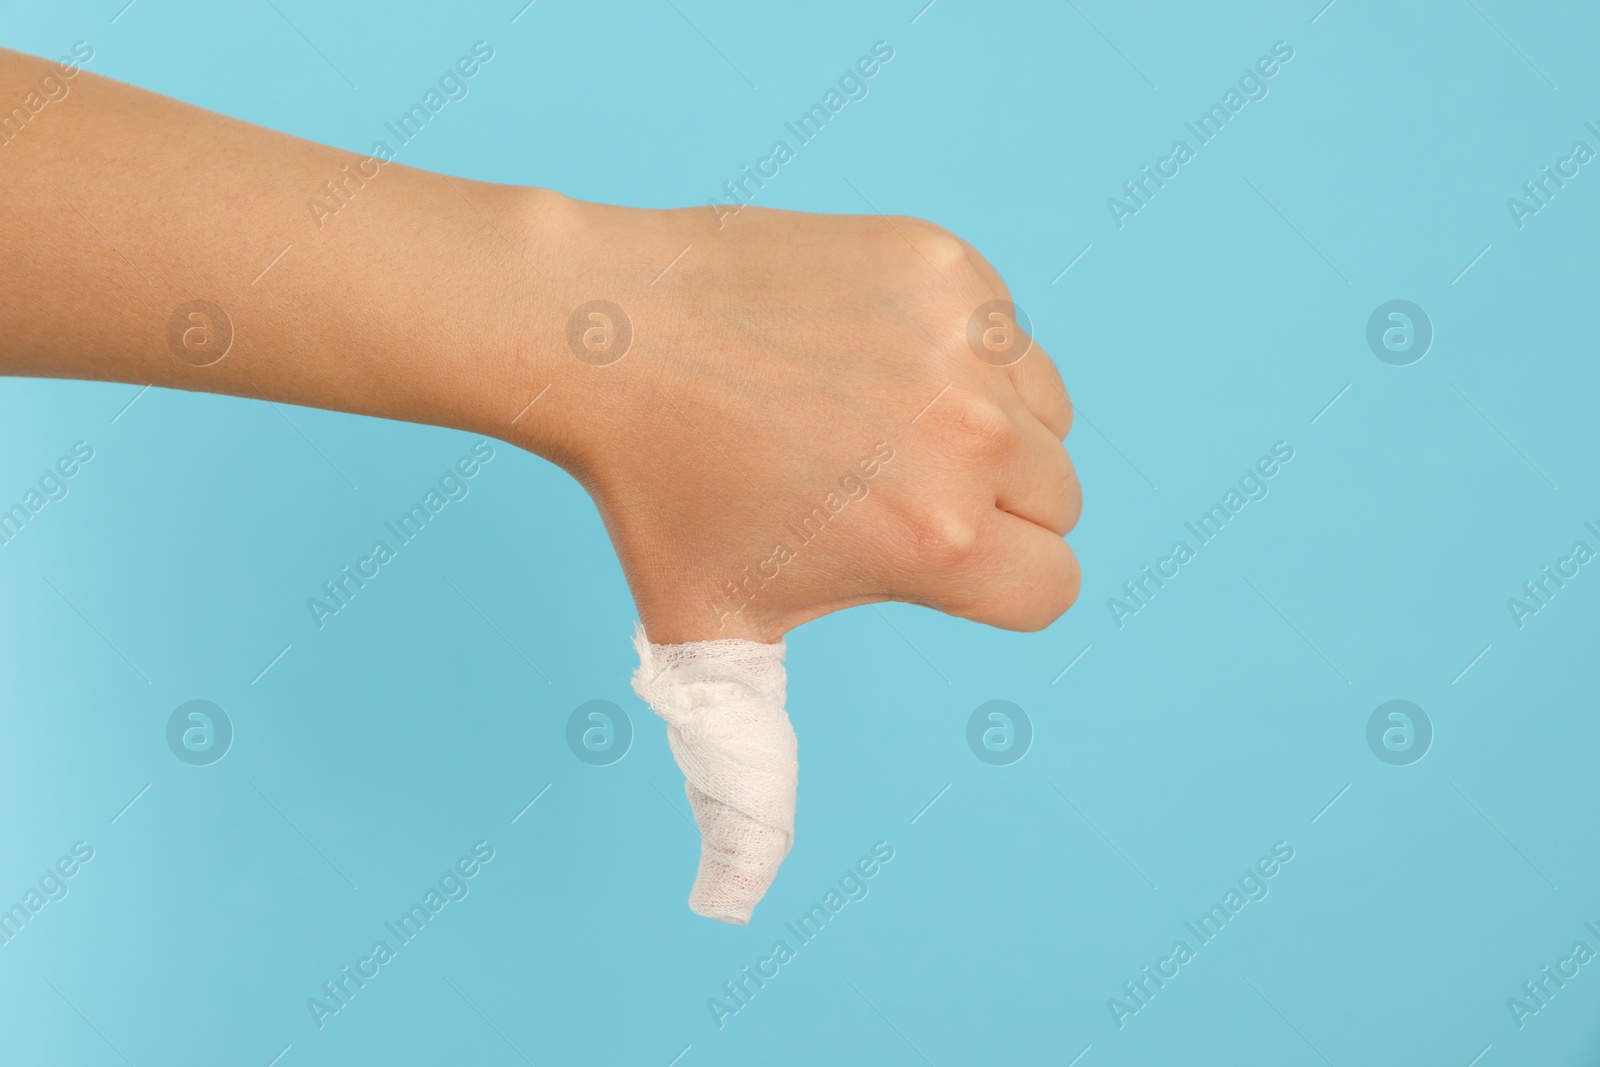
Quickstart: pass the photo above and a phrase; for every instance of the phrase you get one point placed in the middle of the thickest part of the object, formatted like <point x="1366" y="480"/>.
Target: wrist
<point x="512" y="368"/>
<point x="573" y="384"/>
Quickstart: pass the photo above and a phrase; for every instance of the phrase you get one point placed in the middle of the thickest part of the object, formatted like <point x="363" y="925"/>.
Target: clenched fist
<point x="807" y="412"/>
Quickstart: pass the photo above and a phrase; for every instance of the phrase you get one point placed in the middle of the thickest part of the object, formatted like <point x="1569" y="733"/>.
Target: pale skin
<point x="779" y="352"/>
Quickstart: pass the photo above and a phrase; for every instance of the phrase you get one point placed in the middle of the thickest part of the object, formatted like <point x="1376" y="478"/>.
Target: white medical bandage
<point x="723" y="705"/>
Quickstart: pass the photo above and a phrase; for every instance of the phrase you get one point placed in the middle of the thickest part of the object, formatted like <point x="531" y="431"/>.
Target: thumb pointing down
<point x="722" y="702"/>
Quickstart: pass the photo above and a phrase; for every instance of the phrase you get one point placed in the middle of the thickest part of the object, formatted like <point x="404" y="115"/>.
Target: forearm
<point x="423" y="298"/>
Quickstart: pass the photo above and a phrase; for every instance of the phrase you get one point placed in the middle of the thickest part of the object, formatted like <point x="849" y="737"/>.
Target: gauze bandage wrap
<point x="723" y="705"/>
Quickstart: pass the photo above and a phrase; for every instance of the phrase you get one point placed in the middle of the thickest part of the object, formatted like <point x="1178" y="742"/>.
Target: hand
<point x="800" y="423"/>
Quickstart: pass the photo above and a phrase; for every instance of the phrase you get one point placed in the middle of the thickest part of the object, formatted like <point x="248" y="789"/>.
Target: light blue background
<point x="1222" y="318"/>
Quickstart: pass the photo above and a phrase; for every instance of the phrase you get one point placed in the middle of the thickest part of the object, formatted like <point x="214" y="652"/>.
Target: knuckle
<point x="977" y="428"/>
<point x="945" y="250"/>
<point x="944" y="537"/>
<point x="930" y="243"/>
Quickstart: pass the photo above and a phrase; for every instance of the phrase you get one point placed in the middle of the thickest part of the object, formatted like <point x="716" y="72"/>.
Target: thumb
<point x="723" y="703"/>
